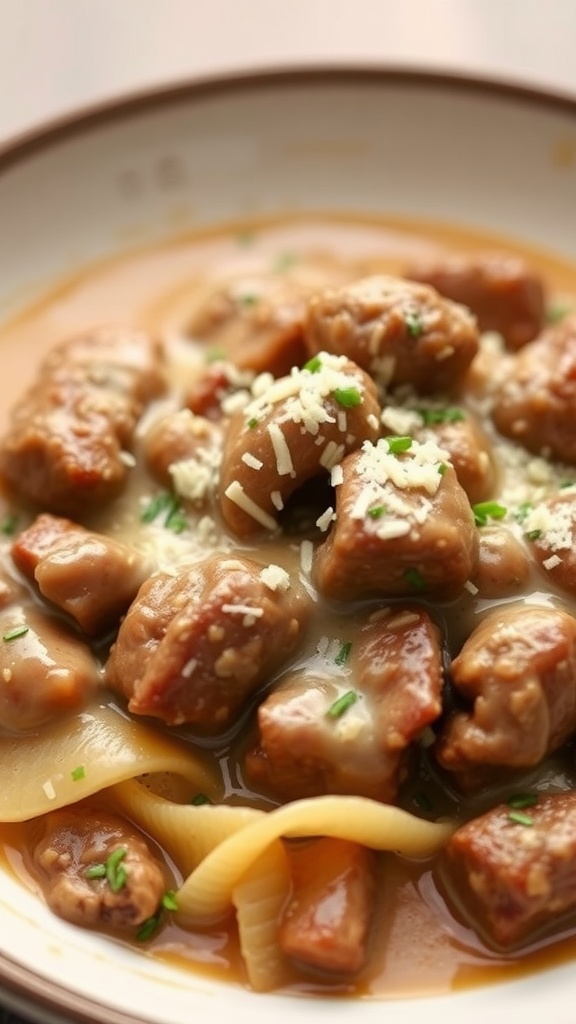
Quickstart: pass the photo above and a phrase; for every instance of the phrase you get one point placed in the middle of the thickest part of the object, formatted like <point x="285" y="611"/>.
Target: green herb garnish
<point x="248" y="300"/>
<point x="518" y="801"/>
<point x="13" y="634"/>
<point x="314" y="365"/>
<point x="414" y="324"/>
<point x="252" y="422"/>
<point x="342" y="704"/>
<point x="215" y="355"/>
<point x="377" y="512"/>
<point x="342" y="656"/>
<point x="200" y="799"/>
<point x="415" y="579"/>
<point x="557" y="312"/>
<point x="169" y="900"/>
<point x="348" y="397"/>
<point x="116" y="874"/>
<point x="485" y="510"/>
<point x="399" y="444"/>
<point x="284" y="261"/>
<point x="148" y="927"/>
<point x="9" y="524"/>
<point x="534" y="534"/>
<point x="448" y="414"/>
<point x="96" y="871"/>
<point x="78" y="773"/>
<point x="168" y="506"/>
<point x="522" y="511"/>
<point x="442" y="468"/>
<point x="520" y="819"/>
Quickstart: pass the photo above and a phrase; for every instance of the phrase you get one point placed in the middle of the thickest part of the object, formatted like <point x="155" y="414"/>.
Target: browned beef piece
<point x="535" y="401"/>
<point x="550" y="531"/>
<point x="326" y="923"/>
<point x="68" y="444"/>
<point x="388" y="691"/>
<point x="45" y="670"/>
<point x="256" y="320"/>
<point x="183" y="452"/>
<point x="216" y="386"/>
<point x="91" y="577"/>
<point x="74" y="843"/>
<point x="503" y="563"/>
<point x="298" y="428"/>
<point x="399" y="331"/>
<point x="501" y="290"/>
<point x="470" y="452"/>
<point x="403" y="526"/>
<point x="195" y="646"/>
<point x="512" y="879"/>
<point x="518" y="670"/>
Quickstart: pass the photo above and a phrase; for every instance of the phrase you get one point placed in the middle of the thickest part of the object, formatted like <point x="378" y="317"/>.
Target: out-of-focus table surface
<point x="59" y="55"/>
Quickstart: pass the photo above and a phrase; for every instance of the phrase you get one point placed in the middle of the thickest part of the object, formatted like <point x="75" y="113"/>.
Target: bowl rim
<point x="111" y="109"/>
<point x="21" y="988"/>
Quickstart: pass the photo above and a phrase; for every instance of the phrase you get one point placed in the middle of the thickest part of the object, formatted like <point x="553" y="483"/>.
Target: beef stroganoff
<point x="288" y="679"/>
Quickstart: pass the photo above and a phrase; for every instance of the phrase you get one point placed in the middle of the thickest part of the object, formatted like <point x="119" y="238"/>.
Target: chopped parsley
<point x="9" y="524"/>
<point x="252" y="422"/>
<point x="442" y="467"/>
<point x="169" y="900"/>
<point x="519" y="818"/>
<point x="377" y="512"/>
<point x="112" y="870"/>
<point x="415" y="578"/>
<point x="485" y="510"/>
<point x="518" y="801"/>
<point x="314" y="365"/>
<point x="151" y="924"/>
<point x="337" y="709"/>
<point x="348" y="397"/>
<point x="200" y="799"/>
<point x="445" y="414"/>
<point x="414" y="324"/>
<point x="169" y="507"/>
<point x="284" y="261"/>
<point x="399" y="444"/>
<point x="248" y="300"/>
<point x="343" y="654"/>
<point x="557" y="312"/>
<point x="534" y="534"/>
<point x="13" y="634"/>
<point x="522" y="511"/>
<point x="78" y="773"/>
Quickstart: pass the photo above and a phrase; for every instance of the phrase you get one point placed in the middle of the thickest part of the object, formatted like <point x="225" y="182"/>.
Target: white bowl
<point x="488" y="156"/>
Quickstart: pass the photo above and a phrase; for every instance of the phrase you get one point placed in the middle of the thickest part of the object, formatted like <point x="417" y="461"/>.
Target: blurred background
<point x="58" y="55"/>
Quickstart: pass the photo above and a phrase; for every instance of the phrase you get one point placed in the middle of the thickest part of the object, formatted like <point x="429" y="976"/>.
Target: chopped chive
<point x="342" y="656"/>
<point x="377" y="512"/>
<point x="448" y="414"/>
<point x="414" y="324"/>
<point x="557" y="311"/>
<point x="96" y="871"/>
<point x="170" y="505"/>
<point x="148" y="927"/>
<point x="348" y="397"/>
<point x="534" y="534"/>
<point x="520" y="819"/>
<point x="9" y="524"/>
<point x="200" y="799"/>
<point x="399" y="444"/>
<point x="169" y="901"/>
<point x="442" y="468"/>
<point x="116" y="874"/>
<point x="248" y="300"/>
<point x="342" y="704"/>
<point x="522" y="511"/>
<point x="13" y="634"/>
<point x="518" y="801"/>
<point x="415" y="579"/>
<point x="252" y="422"/>
<point x="78" y="773"/>
<point x="284" y="261"/>
<point x="485" y="510"/>
<point x="314" y="365"/>
<point x="565" y="483"/>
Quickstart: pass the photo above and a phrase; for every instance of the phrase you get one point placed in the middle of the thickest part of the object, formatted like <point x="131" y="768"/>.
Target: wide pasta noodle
<point x="259" y="898"/>
<point x="41" y="772"/>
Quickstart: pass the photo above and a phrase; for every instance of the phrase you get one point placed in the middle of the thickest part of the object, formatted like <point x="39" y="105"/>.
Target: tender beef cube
<point x="470" y="452"/>
<point x="503" y="563"/>
<point x="550" y="531"/>
<point x="195" y="646"/>
<point x="535" y="400"/>
<point x="326" y="923"/>
<point x="75" y="845"/>
<point x="183" y="452"/>
<point x="67" y="445"/>
<point x="514" y="880"/>
<point x="300" y="426"/>
<point x="403" y="525"/>
<point x="91" y="577"/>
<point x="256" y="320"/>
<point x="504" y="294"/>
<point x="210" y="393"/>
<point x="393" y="681"/>
<point x="45" y="670"/>
<point x="401" y="332"/>
<point x="518" y="670"/>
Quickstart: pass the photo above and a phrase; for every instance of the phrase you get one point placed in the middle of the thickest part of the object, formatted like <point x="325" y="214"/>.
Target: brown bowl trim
<point x="28" y="991"/>
<point x="113" y="110"/>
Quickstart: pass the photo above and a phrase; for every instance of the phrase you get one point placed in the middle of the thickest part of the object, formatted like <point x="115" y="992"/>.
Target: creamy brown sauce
<point x="418" y="945"/>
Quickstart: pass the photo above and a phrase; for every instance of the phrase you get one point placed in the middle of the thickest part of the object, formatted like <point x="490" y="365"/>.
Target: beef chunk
<point x="183" y="452"/>
<point x="326" y="923"/>
<point x="388" y="691"/>
<point x="503" y="563"/>
<point x="210" y="392"/>
<point x="550" y="531"/>
<point x="256" y="320"/>
<point x="296" y="428"/>
<point x="513" y="879"/>
<point x="470" y="452"/>
<point x="67" y="445"/>
<point x="399" y="331"/>
<point x="518" y="669"/>
<point x="535" y="400"/>
<point x="73" y="843"/>
<point x="403" y="525"/>
<point x="504" y="294"/>
<point x="195" y="646"/>
<point x="91" y="577"/>
<point x="45" y="671"/>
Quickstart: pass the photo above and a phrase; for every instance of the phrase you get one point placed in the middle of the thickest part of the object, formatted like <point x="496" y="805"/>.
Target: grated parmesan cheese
<point x="236" y="493"/>
<point x="275" y="577"/>
<point x="306" y="556"/>
<point x="250" y="460"/>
